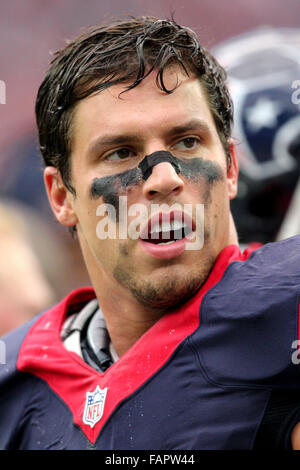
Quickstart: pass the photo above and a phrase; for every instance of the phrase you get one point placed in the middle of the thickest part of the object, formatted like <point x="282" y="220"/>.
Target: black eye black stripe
<point x="155" y="158"/>
<point x="111" y="187"/>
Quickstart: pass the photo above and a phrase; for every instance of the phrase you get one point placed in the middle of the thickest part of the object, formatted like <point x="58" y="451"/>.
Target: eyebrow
<point x="109" y="140"/>
<point x="193" y="125"/>
<point x="122" y="139"/>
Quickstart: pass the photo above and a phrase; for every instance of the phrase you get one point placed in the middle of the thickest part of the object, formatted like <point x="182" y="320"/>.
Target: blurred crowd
<point x="37" y="265"/>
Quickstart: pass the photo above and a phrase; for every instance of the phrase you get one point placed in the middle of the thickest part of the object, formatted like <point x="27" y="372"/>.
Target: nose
<point x="163" y="181"/>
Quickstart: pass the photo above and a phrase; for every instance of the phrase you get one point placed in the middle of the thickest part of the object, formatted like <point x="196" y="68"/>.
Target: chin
<point x="167" y="296"/>
<point x="166" y="292"/>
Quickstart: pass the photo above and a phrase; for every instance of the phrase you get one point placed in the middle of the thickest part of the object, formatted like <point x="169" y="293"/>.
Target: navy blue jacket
<point x="201" y="378"/>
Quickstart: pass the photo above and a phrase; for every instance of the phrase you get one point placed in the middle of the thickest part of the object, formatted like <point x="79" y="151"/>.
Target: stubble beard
<point x="166" y="293"/>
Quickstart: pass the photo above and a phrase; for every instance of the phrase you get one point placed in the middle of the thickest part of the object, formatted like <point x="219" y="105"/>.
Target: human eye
<point x="188" y="143"/>
<point x="119" y="154"/>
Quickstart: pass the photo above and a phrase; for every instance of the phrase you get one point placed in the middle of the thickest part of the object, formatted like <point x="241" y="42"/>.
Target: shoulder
<point x="15" y="387"/>
<point x="40" y="329"/>
<point x="268" y="276"/>
<point x="251" y="316"/>
<point x="10" y="347"/>
<point x="22" y="392"/>
<point x="284" y="253"/>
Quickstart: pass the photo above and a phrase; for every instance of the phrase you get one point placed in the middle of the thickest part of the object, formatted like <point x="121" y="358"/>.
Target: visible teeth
<point x="156" y="228"/>
<point x="161" y="227"/>
<point x="167" y="226"/>
<point x="167" y="243"/>
<point x="177" y="225"/>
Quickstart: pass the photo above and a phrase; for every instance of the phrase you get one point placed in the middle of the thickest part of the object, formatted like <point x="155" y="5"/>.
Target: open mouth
<point x="167" y="232"/>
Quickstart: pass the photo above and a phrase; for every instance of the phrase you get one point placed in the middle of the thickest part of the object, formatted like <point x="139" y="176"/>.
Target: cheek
<point x="110" y="188"/>
<point x="100" y="227"/>
<point x="215" y="198"/>
<point x="207" y="193"/>
<point x="219" y="211"/>
<point x="220" y="199"/>
<point x="86" y="212"/>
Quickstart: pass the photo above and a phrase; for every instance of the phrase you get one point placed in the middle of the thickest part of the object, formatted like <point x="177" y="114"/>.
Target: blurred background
<point x="259" y="44"/>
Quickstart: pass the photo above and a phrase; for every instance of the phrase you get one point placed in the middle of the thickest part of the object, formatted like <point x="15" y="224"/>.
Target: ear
<point x="232" y="171"/>
<point x="60" y="198"/>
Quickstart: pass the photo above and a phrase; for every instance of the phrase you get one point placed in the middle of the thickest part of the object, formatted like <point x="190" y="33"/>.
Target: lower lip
<point x="164" y="251"/>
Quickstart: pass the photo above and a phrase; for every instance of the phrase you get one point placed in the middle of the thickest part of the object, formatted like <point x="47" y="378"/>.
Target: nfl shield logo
<point x="94" y="406"/>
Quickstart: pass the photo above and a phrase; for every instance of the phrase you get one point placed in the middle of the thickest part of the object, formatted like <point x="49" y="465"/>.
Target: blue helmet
<point x="263" y="69"/>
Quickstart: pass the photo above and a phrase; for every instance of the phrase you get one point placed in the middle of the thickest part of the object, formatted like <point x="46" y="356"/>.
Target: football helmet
<point x="263" y="69"/>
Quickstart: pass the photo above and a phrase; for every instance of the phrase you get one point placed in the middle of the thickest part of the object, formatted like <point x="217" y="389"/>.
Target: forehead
<point x="144" y="109"/>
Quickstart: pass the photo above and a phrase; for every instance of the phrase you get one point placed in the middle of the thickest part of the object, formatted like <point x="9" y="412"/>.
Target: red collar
<point x="44" y="355"/>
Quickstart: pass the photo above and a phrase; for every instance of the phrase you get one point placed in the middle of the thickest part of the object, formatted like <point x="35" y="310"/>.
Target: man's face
<point x="113" y="134"/>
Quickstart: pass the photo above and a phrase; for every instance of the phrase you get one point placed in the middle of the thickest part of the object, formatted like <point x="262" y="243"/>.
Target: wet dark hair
<point x="124" y="51"/>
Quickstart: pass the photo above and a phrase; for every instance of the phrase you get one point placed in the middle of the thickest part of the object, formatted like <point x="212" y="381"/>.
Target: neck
<point x="233" y="236"/>
<point x="126" y="320"/>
